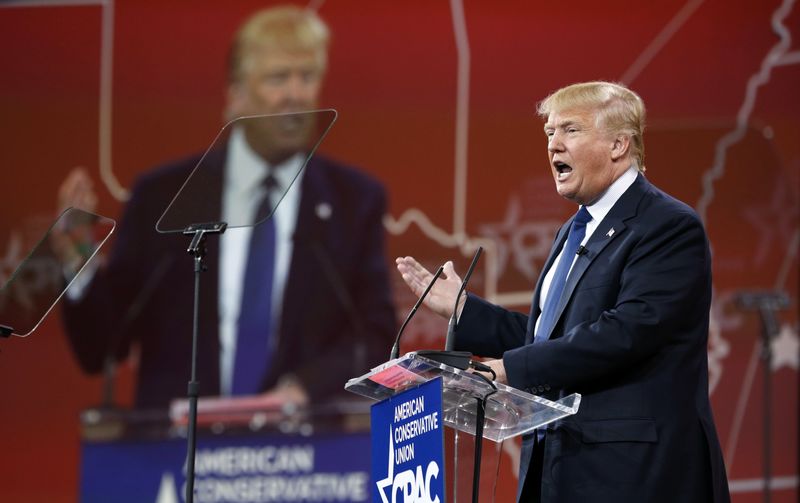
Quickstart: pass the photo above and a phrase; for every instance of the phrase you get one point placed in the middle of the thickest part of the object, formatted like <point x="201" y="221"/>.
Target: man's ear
<point x="621" y="147"/>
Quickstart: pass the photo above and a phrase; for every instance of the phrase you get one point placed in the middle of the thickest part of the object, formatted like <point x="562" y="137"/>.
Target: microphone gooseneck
<point x="451" y="326"/>
<point x="458" y="359"/>
<point x="396" y="346"/>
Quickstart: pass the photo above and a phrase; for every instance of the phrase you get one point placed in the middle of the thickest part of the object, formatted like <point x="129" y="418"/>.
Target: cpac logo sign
<point x="415" y="447"/>
<point x="414" y="486"/>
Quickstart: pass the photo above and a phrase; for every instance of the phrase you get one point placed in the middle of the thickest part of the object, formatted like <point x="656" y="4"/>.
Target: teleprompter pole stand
<point x="197" y="249"/>
<point x="767" y="304"/>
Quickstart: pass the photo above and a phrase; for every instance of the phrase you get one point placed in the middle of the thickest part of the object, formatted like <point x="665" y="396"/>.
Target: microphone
<point x="457" y="359"/>
<point x="451" y="325"/>
<point x="396" y="347"/>
<point x="582" y="250"/>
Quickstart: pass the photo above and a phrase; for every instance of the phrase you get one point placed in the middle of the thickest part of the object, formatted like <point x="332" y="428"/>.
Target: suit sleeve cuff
<point x="516" y="365"/>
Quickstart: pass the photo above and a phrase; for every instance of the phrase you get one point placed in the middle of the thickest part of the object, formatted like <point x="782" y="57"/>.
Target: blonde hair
<point x="618" y="110"/>
<point x="288" y="28"/>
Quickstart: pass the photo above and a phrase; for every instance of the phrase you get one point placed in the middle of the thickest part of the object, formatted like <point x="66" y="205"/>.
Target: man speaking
<point x="620" y="315"/>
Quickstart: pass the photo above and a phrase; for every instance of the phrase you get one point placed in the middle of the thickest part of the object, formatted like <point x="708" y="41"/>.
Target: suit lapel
<point x="599" y="240"/>
<point x="558" y="243"/>
<point x="612" y="226"/>
<point x="302" y="277"/>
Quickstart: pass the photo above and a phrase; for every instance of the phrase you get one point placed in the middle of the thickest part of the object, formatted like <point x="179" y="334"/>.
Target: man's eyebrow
<point x="560" y="125"/>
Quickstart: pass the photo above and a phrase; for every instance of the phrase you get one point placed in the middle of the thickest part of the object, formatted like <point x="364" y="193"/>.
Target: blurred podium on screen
<point x="268" y="451"/>
<point x="471" y="405"/>
<point x="260" y="412"/>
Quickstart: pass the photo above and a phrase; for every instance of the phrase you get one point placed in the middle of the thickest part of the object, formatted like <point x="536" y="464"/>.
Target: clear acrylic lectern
<point x="474" y="407"/>
<point x="509" y="411"/>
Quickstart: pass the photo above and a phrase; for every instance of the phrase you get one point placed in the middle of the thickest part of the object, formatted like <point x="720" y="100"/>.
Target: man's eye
<point x="549" y="133"/>
<point x="275" y="78"/>
<point x="572" y="130"/>
<point x="310" y="76"/>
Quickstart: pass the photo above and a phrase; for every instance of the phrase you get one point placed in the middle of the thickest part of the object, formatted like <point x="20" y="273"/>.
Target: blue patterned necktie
<point x="253" y="348"/>
<point x="576" y="234"/>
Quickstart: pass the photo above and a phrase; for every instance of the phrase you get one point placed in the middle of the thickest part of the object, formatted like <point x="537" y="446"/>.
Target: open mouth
<point x="563" y="169"/>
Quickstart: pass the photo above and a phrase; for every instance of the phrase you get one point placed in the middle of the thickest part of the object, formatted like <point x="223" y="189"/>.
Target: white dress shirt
<point x="241" y="196"/>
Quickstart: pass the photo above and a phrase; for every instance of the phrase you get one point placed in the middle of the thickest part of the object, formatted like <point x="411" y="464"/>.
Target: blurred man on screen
<point x="328" y="281"/>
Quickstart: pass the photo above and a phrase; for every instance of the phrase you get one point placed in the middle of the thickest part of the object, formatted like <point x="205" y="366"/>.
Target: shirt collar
<point x="600" y="208"/>
<point x="246" y="170"/>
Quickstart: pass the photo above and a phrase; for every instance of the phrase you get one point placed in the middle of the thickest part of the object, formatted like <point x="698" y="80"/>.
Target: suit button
<point x="547" y="387"/>
<point x="541" y="389"/>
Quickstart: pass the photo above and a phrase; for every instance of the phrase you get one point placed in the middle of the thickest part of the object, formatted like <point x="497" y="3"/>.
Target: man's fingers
<point x="77" y="181"/>
<point x="77" y="190"/>
<point x="410" y="265"/>
<point x="450" y="271"/>
<point x="413" y="273"/>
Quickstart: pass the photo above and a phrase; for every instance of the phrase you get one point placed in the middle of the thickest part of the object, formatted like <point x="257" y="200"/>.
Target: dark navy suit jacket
<point x="631" y="338"/>
<point x="337" y="318"/>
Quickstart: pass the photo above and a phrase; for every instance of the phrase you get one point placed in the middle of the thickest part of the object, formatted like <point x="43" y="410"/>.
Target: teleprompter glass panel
<point x="284" y="141"/>
<point x="55" y="262"/>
